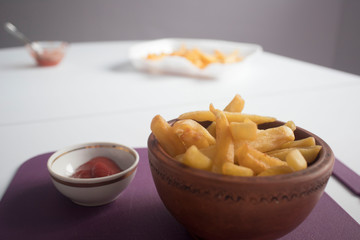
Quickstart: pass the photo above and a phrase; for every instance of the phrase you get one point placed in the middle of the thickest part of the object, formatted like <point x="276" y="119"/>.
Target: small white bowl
<point x="92" y="191"/>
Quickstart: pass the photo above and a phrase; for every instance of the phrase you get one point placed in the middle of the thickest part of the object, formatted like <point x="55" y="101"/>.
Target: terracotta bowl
<point x="214" y="206"/>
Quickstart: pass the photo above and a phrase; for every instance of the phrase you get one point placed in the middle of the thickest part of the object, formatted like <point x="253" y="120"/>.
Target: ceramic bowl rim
<point x="107" y="179"/>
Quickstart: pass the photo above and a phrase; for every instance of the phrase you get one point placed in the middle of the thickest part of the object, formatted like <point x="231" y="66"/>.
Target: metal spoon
<point x="10" y="28"/>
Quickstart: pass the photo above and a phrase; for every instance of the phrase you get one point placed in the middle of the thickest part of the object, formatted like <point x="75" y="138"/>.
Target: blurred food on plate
<point x="199" y="58"/>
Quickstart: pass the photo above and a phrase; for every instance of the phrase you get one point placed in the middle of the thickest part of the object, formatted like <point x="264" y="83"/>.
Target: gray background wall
<point x="324" y="32"/>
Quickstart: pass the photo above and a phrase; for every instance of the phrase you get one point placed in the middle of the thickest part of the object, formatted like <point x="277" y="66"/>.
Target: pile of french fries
<point x="199" y="58"/>
<point x="232" y="144"/>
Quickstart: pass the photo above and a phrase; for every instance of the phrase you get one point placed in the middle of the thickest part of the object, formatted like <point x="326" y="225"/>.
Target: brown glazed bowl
<point x="214" y="206"/>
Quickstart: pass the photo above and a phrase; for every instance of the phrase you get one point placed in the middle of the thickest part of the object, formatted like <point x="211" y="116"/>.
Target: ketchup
<point x="49" y="58"/>
<point x="97" y="167"/>
<point x="51" y="53"/>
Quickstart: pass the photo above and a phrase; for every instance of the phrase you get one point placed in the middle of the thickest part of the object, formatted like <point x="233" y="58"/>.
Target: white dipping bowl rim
<point x="92" y="182"/>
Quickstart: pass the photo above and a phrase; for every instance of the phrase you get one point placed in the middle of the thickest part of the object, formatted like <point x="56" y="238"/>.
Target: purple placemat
<point x="32" y="208"/>
<point x="347" y="176"/>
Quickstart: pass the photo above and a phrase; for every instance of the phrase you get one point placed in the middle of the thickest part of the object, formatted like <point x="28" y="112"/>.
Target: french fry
<point x="291" y="125"/>
<point x="278" y="170"/>
<point x="192" y="133"/>
<point x="219" y="55"/>
<point x="295" y="160"/>
<point x="309" y="153"/>
<point x="246" y="120"/>
<point x="202" y="116"/>
<point x="240" y="117"/>
<point x="224" y="142"/>
<point x="194" y="158"/>
<point x="208" y="151"/>
<point x="250" y="157"/>
<point x="243" y="130"/>
<point x="236" y="170"/>
<point x="236" y="105"/>
<point x="153" y="56"/>
<point x="306" y="142"/>
<point x="198" y="58"/>
<point x="272" y="138"/>
<point x="212" y="129"/>
<point x="199" y="116"/>
<point x="168" y="140"/>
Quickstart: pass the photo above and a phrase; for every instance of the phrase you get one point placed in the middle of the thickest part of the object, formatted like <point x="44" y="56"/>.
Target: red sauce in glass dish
<point x="49" y="58"/>
<point x="50" y="53"/>
<point x="97" y="167"/>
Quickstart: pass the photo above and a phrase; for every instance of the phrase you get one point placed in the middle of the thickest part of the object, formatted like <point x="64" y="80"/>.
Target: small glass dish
<point x="47" y="53"/>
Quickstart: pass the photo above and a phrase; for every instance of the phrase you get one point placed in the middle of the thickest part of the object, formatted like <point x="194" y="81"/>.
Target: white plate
<point x="180" y="65"/>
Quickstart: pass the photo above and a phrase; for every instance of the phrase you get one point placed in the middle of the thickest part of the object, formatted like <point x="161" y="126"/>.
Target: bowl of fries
<point x="224" y="174"/>
<point x="191" y="57"/>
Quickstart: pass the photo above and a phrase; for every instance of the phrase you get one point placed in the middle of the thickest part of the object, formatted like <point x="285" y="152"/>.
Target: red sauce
<point x="49" y="58"/>
<point x="97" y="167"/>
<point x="50" y="55"/>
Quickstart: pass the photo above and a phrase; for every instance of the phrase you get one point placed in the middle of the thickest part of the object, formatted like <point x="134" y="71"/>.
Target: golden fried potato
<point x="199" y="116"/>
<point x="220" y="56"/>
<point x="241" y="117"/>
<point x="153" y="56"/>
<point x="192" y="133"/>
<point x="167" y="138"/>
<point x="309" y="153"/>
<point x="236" y="170"/>
<point x="295" y="160"/>
<point x="291" y="125"/>
<point x="236" y="105"/>
<point x="224" y="142"/>
<point x="306" y="142"/>
<point x="272" y="138"/>
<point x="250" y="157"/>
<point x="243" y="130"/>
<point x="212" y="129"/>
<point x="196" y="159"/>
<point x="199" y="58"/>
<point x="208" y="151"/>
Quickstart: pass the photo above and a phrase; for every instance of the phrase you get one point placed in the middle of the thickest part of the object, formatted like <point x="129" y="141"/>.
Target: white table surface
<point x="96" y="95"/>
